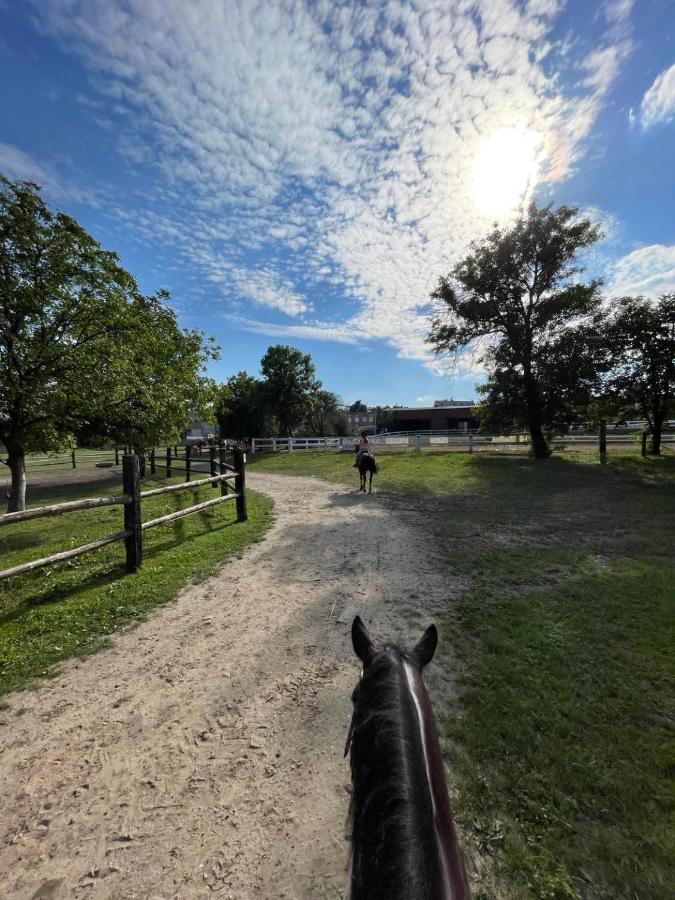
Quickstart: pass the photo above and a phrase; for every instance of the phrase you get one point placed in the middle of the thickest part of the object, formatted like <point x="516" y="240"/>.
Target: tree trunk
<point x="17" y="466"/>
<point x="534" y="420"/>
<point x="655" y="443"/>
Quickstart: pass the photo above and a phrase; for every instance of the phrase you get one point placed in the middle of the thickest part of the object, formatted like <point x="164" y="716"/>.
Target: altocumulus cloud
<point x="648" y="270"/>
<point x="658" y="103"/>
<point x="328" y="147"/>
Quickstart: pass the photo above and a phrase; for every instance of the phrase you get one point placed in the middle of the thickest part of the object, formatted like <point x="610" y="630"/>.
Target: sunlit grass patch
<point x="561" y="747"/>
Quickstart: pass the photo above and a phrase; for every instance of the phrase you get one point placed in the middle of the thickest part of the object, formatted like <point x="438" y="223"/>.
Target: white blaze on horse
<point x="404" y="842"/>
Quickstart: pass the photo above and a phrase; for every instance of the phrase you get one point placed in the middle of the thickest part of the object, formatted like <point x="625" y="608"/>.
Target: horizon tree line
<point x="86" y="357"/>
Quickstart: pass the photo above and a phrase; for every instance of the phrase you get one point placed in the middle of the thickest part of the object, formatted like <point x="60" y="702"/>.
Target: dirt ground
<point x="202" y="754"/>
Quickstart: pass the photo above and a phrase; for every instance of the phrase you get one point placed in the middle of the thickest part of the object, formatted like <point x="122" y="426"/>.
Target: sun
<point x="505" y="170"/>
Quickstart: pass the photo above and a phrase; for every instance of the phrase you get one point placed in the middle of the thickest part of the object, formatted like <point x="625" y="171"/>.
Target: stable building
<point x="434" y="418"/>
<point x="362" y="420"/>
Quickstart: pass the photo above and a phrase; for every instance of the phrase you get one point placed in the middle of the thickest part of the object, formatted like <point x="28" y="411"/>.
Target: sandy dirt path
<point x="202" y="754"/>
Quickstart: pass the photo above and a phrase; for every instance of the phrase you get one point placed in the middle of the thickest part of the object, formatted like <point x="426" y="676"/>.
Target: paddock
<point x="202" y="751"/>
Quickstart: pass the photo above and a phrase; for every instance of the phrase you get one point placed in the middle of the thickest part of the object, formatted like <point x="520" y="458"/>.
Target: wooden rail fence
<point x="131" y="499"/>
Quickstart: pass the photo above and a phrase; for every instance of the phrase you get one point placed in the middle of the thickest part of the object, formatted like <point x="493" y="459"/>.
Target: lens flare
<point x="505" y="170"/>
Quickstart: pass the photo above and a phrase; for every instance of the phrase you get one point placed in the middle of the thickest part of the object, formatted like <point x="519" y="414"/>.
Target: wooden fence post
<point x="117" y="455"/>
<point x="644" y="443"/>
<point x="602" y="442"/>
<point x="153" y="468"/>
<point x="470" y="443"/>
<point x="131" y="481"/>
<point x="141" y="464"/>
<point x="72" y="456"/>
<point x="240" y="483"/>
<point x="188" y="463"/>
<point x="212" y="460"/>
<point x="222" y="469"/>
<point x="168" y="462"/>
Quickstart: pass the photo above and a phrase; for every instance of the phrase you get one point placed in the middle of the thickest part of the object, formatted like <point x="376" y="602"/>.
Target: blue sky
<point x="303" y="172"/>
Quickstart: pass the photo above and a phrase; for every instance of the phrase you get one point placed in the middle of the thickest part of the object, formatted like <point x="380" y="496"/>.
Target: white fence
<point x="438" y="440"/>
<point x="275" y="444"/>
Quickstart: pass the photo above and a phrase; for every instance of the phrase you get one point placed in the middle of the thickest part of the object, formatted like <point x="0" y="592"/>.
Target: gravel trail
<point x="202" y="754"/>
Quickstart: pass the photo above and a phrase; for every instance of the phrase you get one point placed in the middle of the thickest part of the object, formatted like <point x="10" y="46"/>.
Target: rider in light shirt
<point x="364" y="447"/>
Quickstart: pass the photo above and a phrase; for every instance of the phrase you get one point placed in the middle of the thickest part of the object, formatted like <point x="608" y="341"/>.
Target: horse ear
<point x="363" y="646"/>
<point x="423" y="651"/>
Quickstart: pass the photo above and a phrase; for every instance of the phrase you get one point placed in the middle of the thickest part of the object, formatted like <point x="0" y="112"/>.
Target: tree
<point x="241" y="407"/>
<point x="82" y="351"/>
<point x="570" y="368"/>
<point x="384" y="416"/>
<point x="358" y="407"/>
<point x="324" y="414"/>
<point x="290" y="384"/>
<point x="514" y="293"/>
<point x="641" y="338"/>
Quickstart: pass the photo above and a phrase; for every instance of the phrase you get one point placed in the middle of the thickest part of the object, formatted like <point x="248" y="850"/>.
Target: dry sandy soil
<point x="202" y="754"/>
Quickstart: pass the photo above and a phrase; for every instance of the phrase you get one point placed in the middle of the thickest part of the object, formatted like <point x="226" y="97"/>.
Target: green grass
<point x="563" y="748"/>
<point x="70" y="609"/>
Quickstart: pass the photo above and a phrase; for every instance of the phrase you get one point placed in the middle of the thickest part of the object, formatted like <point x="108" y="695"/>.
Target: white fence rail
<point x="437" y="439"/>
<point x="275" y="444"/>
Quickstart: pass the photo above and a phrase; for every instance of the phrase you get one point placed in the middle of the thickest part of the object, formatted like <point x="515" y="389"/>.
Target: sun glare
<point x="505" y="170"/>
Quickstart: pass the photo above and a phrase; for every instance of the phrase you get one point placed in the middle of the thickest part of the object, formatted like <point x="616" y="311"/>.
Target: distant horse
<point x="404" y="843"/>
<point x="366" y="463"/>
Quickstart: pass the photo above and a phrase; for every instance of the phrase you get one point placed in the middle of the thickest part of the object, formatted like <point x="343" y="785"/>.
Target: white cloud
<point x="617" y="12"/>
<point x="19" y="165"/>
<point x="314" y="331"/>
<point x="658" y="103"/>
<point x="308" y="150"/>
<point x="15" y="163"/>
<point x="649" y="271"/>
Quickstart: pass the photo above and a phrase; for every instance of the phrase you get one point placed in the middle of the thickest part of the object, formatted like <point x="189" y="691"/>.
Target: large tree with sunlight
<point x="514" y="295"/>
<point x="83" y="353"/>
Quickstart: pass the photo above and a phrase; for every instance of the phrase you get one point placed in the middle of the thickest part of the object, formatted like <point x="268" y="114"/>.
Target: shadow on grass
<point x="14" y="542"/>
<point x="57" y="492"/>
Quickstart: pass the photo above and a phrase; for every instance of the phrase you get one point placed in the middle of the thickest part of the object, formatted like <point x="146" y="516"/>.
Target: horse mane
<point x="394" y="848"/>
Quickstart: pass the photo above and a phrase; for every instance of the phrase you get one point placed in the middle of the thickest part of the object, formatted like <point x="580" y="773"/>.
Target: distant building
<point x="363" y="420"/>
<point x="452" y="402"/>
<point x="445" y="417"/>
<point x="199" y="432"/>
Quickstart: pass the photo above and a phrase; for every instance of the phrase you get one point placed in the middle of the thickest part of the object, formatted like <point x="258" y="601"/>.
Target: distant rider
<point x="364" y="447"/>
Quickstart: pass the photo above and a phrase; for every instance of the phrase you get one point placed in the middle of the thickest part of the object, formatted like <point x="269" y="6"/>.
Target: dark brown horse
<point x="404" y="843"/>
<point x="365" y="464"/>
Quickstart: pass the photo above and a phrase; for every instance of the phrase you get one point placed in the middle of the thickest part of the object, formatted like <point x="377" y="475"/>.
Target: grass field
<point x="563" y="748"/>
<point x="70" y="609"/>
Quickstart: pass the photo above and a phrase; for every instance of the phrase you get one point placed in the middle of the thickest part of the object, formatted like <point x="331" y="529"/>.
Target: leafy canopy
<point x="290" y="384"/>
<point x="640" y="336"/>
<point x="241" y="407"/>
<point x="515" y="296"/>
<point x="516" y="284"/>
<point x="83" y="353"/>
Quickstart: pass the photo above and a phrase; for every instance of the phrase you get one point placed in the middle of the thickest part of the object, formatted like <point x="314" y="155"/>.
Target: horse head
<point x="404" y="842"/>
<point x="420" y="656"/>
